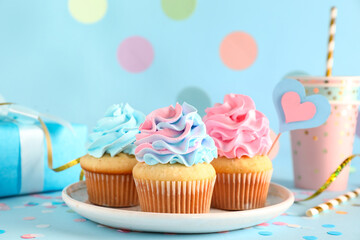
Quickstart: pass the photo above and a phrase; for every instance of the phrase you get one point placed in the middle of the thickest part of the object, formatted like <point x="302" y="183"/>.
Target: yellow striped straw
<point x="331" y="46"/>
<point x="332" y="203"/>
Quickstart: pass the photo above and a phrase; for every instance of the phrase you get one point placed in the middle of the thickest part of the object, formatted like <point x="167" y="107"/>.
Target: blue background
<point x="51" y="62"/>
<point x="56" y="64"/>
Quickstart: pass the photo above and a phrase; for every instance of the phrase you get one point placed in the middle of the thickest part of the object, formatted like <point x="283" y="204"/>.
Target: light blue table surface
<point x="54" y="220"/>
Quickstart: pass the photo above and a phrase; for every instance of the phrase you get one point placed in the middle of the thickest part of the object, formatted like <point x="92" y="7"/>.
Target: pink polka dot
<point x="28" y="218"/>
<point x="135" y="54"/>
<point x="238" y="50"/>
<point x="279" y="223"/>
<point x="263" y="224"/>
<point x="29" y="236"/>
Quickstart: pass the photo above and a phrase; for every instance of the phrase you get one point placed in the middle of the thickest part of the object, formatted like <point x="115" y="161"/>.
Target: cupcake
<point x="242" y="137"/>
<point x="110" y="160"/>
<point x="174" y="174"/>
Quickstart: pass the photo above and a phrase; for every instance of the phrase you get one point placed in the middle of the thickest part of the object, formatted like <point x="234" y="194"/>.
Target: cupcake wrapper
<point x="241" y="191"/>
<point x="111" y="190"/>
<point x="175" y="196"/>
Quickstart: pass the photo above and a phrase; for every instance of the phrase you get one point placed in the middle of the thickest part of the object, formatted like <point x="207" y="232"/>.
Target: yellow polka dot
<point x="342" y="133"/>
<point x="315" y="90"/>
<point x="315" y="138"/>
<point x="87" y="11"/>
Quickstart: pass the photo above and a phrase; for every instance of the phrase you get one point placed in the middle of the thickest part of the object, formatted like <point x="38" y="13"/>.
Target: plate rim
<point x="224" y="214"/>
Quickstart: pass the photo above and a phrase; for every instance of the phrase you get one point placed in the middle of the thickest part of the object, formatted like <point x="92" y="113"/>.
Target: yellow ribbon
<point x="332" y="178"/>
<point x="49" y="150"/>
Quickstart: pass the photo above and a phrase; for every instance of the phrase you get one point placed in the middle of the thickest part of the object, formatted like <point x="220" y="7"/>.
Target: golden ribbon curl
<point x="332" y="178"/>
<point x="49" y="150"/>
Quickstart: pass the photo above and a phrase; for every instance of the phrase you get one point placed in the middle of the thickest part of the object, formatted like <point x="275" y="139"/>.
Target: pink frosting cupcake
<point x="242" y="137"/>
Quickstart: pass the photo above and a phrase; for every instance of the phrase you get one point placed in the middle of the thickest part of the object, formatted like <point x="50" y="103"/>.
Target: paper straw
<point x="332" y="203"/>
<point x="330" y="56"/>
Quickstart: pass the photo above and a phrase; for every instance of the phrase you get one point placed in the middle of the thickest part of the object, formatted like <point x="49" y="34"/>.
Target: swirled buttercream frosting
<point x="237" y="128"/>
<point x="174" y="135"/>
<point x="116" y="131"/>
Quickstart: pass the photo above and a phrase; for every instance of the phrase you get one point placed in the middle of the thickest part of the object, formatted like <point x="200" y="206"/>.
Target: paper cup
<point x="111" y="190"/>
<point x="241" y="191"/>
<point x="317" y="152"/>
<point x="175" y="196"/>
<point x="333" y="88"/>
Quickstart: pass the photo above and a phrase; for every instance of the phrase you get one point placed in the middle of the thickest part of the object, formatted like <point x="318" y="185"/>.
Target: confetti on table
<point x="29" y="236"/>
<point x="334" y="233"/>
<point x="43" y="225"/>
<point x="31" y="204"/>
<point x="265" y="233"/>
<point x="279" y="223"/>
<point x="80" y="220"/>
<point x="41" y="196"/>
<point x="265" y="224"/>
<point x="70" y="211"/>
<point x="328" y="225"/>
<point x="47" y="211"/>
<point x="2" y="231"/>
<point x="28" y="218"/>
<point x="294" y="226"/>
<point x="310" y="237"/>
<point x="341" y="212"/>
<point x="356" y="205"/>
<point x="4" y="207"/>
<point x="51" y="206"/>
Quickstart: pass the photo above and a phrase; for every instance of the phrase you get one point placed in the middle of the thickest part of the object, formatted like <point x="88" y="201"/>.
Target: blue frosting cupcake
<point x="116" y="131"/>
<point x="110" y="160"/>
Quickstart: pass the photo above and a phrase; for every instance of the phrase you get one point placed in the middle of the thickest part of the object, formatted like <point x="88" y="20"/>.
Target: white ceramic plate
<point x="278" y="201"/>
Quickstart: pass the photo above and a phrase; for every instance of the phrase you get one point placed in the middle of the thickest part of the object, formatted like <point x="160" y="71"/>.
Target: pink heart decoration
<point x="294" y="110"/>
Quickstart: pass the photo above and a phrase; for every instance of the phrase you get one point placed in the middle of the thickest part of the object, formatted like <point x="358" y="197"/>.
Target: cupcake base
<point x="241" y="191"/>
<point x="175" y="196"/>
<point x="111" y="190"/>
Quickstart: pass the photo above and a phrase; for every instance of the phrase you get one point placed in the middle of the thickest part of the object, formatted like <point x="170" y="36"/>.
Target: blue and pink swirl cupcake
<point x="174" y="174"/>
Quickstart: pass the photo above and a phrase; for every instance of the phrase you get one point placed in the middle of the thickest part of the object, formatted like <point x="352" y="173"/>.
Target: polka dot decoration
<point x="265" y="233"/>
<point x="334" y="93"/>
<point x="87" y="11"/>
<point x="135" y="54"/>
<point x="310" y="238"/>
<point x="238" y="50"/>
<point x="178" y="9"/>
<point x="317" y="143"/>
<point x="196" y="97"/>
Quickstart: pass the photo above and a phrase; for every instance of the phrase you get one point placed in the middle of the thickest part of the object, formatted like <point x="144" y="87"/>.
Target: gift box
<point x="23" y="156"/>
